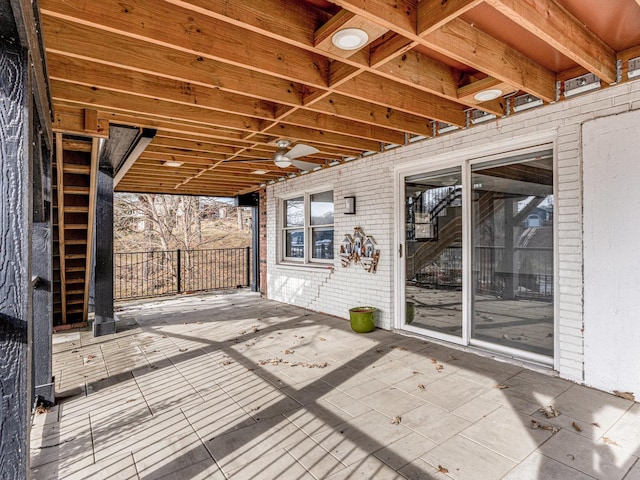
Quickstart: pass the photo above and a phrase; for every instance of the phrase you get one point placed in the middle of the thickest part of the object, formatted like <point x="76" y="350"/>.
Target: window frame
<point x="307" y="229"/>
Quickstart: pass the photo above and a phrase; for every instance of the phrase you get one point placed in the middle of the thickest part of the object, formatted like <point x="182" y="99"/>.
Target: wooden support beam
<point x="93" y="183"/>
<point x="363" y="111"/>
<point x="471" y="46"/>
<point x="61" y="244"/>
<point x="170" y="25"/>
<point x="409" y="100"/>
<point x="560" y="29"/>
<point x="91" y="74"/>
<point x="433" y="14"/>
<point x="107" y="100"/>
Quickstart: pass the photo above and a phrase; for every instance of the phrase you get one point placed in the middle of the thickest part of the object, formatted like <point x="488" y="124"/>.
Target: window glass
<point x="322" y="238"/>
<point x="294" y="212"/>
<point x="294" y="240"/>
<point x="307" y="230"/>
<point x="322" y="208"/>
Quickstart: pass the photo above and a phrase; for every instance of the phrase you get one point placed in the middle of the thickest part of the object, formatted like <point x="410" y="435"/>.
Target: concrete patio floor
<point x="235" y="386"/>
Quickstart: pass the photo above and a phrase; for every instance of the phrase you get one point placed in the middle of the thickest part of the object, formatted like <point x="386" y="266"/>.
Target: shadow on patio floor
<point x="235" y="386"/>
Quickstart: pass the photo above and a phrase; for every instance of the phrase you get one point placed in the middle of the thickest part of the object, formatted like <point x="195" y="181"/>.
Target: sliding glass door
<point x="433" y="260"/>
<point x="512" y="219"/>
<point x="479" y="255"/>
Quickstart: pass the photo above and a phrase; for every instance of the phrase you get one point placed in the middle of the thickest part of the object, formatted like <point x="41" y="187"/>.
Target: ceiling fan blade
<point x="304" y="165"/>
<point x="301" y="150"/>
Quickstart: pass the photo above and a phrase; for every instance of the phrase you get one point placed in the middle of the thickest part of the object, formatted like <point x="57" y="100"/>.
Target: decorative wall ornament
<point x="359" y="249"/>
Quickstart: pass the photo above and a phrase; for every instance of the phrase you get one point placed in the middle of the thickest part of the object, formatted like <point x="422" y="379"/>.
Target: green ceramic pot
<point x="362" y="319"/>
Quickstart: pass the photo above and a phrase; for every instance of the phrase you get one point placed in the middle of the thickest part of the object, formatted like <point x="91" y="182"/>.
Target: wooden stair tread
<point x="75" y="269"/>
<point x="76" y="209"/>
<point x="70" y="241"/>
<point x="77" y="169"/>
<point x="75" y="226"/>
<point x="73" y="190"/>
<point x="71" y="256"/>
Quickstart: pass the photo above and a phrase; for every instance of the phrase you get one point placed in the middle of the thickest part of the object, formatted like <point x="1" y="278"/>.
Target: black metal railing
<point x="156" y="273"/>
<point x="491" y="274"/>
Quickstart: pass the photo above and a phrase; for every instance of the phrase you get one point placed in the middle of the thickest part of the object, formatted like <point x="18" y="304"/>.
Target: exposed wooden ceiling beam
<point x="83" y="72"/>
<point x="434" y="14"/>
<point x="123" y="102"/>
<point x="362" y="111"/>
<point x="409" y="100"/>
<point x="560" y="29"/>
<point x="168" y="25"/>
<point x="163" y="61"/>
<point x="462" y="42"/>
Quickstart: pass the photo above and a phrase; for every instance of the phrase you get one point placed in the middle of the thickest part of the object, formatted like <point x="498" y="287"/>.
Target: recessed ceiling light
<point x="259" y="172"/>
<point x="350" y="38"/>
<point x="487" y="95"/>
<point x="172" y="163"/>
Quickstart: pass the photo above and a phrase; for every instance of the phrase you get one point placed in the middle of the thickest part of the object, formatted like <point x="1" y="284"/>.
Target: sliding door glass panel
<point x="433" y="257"/>
<point x="512" y="217"/>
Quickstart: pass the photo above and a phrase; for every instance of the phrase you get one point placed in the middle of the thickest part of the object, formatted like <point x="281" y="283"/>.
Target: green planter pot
<point x="362" y="319"/>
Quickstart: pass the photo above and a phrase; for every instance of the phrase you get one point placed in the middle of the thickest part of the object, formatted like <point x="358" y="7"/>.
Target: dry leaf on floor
<point x="501" y="387"/>
<point x="576" y="426"/>
<point x="451" y="357"/>
<point x="439" y="367"/>
<point x="625" y="395"/>
<point x="40" y="409"/>
<point x="152" y="367"/>
<point x="442" y="469"/>
<point x="379" y="350"/>
<point x="421" y="387"/>
<point x="256" y="330"/>
<point x="75" y="351"/>
<point x="396" y="420"/>
<point x="289" y="352"/>
<point x="183" y="349"/>
<point x="227" y="362"/>
<point x="609" y="441"/>
<point x="596" y="424"/>
<point x="433" y="360"/>
<point x="322" y="339"/>
<point x="549" y="411"/>
<point x="536" y="425"/>
<point x="90" y="357"/>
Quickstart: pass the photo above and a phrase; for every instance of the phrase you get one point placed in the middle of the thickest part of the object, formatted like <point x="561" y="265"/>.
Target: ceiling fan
<point x="284" y="157"/>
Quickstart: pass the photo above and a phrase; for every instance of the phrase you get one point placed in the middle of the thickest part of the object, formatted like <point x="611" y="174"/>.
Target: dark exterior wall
<point x="15" y="254"/>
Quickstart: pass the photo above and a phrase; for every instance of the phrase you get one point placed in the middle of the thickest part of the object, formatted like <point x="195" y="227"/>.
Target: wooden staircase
<point x="74" y="191"/>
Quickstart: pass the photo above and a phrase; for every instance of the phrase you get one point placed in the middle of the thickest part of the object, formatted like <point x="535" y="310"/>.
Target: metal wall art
<point x="361" y="249"/>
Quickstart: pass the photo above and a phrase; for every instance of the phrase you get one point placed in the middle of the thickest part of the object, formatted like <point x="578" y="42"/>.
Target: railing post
<point x="179" y="270"/>
<point x="248" y="265"/>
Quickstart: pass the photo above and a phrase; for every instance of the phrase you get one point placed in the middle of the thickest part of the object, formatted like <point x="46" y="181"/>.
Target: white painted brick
<point x="371" y="181"/>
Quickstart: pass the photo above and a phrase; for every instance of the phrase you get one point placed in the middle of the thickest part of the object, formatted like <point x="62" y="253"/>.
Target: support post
<point x="509" y="257"/>
<point x="104" y="323"/>
<point x="255" y="247"/>
<point x="179" y="270"/>
<point x="42" y="272"/>
<point x="15" y="254"/>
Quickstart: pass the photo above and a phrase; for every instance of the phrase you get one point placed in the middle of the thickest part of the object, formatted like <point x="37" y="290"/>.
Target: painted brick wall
<point x="371" y="180"/>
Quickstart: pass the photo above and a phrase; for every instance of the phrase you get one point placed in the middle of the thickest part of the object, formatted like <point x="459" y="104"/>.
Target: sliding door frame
<point x="465" y="159"/>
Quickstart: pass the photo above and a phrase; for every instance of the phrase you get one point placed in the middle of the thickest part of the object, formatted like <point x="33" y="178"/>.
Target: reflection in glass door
<point x="433" y="257"/>
<point x="512" y="219"/>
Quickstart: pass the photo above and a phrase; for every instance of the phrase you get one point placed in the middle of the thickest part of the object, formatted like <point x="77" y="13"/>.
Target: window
<point x="307" y="229"/>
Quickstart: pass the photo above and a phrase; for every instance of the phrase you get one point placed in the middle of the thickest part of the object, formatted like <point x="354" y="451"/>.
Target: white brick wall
<point x="371" y="180"/>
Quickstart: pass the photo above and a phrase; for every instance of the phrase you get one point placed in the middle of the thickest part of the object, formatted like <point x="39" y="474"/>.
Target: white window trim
<point x="307" y="228"/>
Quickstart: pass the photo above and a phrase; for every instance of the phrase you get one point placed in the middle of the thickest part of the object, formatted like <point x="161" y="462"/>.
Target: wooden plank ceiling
<point x="222" y="81"/>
